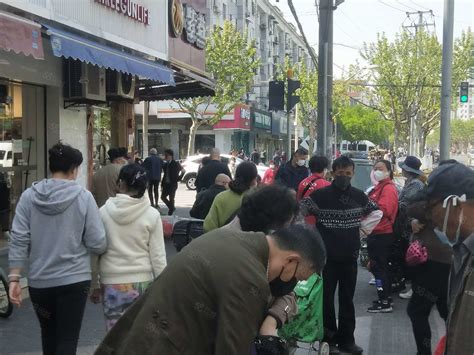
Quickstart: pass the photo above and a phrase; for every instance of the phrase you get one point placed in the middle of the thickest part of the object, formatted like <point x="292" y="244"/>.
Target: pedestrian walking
<point x="277" y="158"/>
<point x="293" y="172"/>
<point x="227" y="203"/>
<point x="270" y="173"/>
<point x="55" y="228"/>
<point x="135" y="253"/>
<point x="318" y="166"/>
<point x="429" y="277"/>
<point x="232" y="166"/>
<point x="241" y="154"/>
<point x="226" y="276"/>
<point x="415" y="182"/>
<point x="339" y="210"/>
<point x="255" y="157"/>
<point x="207" y="174"/>
<point x="205" y="198"/>
<point x="264" y="156"/>
<point x="173" y="173"/>
<point x="449" y="198"/>
<point x="153" y="165"/>
<point x="380" y="241"/>
<point x="104" y="182"/>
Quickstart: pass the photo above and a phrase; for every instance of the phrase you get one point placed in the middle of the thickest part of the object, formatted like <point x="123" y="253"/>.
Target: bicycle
<point x="6" y="307"/>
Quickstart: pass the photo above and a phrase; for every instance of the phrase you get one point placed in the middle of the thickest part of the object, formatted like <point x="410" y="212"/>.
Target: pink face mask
<point x="372" y="178"/>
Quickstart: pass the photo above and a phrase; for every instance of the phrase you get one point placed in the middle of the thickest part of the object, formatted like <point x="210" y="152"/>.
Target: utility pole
<point x="416" y="25"/>
<point x="446" y="79"/>
<point x="325" y="74"/>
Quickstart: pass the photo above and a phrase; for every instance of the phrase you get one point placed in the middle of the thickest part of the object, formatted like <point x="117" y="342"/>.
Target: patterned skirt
<point x="118" y="297"/>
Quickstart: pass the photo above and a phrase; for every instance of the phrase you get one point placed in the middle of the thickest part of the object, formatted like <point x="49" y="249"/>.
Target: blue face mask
<point x="441" y="234"/>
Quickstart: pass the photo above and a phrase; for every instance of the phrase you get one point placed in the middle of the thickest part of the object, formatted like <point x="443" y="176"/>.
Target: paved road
<point x="379" y="334"/>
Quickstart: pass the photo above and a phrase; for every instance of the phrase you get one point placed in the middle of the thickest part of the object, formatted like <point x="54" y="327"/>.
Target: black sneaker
<point x="351" y="349"/>
<point x="389" y="299"/>
<point x="380" y="307"/>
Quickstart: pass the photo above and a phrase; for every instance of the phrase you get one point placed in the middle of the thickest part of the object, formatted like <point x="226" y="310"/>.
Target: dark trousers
<point x="153" y="189"/>
<point x="379" y="248"/>
<point x="344" y="274"/>
<point x="168" y="194"/>
<point x="60" y="311"/>
<point x="430" y="287"/>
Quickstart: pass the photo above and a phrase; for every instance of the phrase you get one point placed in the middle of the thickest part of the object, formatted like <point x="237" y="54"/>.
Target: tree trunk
<point x="312" y="138"/>
<point x="192" y="136"/>
<point x="396" y="138"/>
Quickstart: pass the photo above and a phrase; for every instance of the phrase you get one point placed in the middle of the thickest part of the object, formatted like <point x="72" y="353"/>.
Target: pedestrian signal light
<point x="464" y="92"/>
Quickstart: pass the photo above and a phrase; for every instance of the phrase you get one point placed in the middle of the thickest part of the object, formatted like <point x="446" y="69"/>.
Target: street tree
<point x="308" y="93"/>
<point x="406" y="74"/>
<point x="357" y="123"/>
<point x="231" y="62"/>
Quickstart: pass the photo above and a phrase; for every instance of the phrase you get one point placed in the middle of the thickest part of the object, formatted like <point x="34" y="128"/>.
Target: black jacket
<point x="172" y="172"/>
<point x="204" y="200"/>
<point x="207" y="174"/>
<point x="153" y="166"/>
<point x="290" y="176"/>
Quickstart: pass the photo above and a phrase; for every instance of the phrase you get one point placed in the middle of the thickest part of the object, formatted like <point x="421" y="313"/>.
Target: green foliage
<point x="462" y="132"/>
<point x="357" y="123"/>
<point x="407" y="74"/>
<point x="231" y="61"/>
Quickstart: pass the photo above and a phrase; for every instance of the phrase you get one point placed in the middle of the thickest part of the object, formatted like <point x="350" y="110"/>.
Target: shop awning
<point x="20" y="35"/>
<point x="69" y="45"/>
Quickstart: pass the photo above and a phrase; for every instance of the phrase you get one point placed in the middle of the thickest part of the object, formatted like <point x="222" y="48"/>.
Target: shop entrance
<point x="21" y="145"/>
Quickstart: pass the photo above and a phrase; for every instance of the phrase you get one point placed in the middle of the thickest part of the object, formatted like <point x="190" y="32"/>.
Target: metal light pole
<point x="446" y="80"/>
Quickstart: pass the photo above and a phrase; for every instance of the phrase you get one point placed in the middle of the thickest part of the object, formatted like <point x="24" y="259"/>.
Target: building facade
<point x="276" y="39"/>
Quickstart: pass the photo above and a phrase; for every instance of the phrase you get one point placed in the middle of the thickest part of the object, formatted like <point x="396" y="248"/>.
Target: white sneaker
<point x="406" y="295"/>
<point x="372" y="282"/>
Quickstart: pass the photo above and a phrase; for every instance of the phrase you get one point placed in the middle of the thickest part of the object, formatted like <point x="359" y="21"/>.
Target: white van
<point x="6" y="154"/>
<point x="359" y="149"/>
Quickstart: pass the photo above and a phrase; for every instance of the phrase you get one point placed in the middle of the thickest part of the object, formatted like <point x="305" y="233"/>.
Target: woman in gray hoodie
<point x="56" y="227"/>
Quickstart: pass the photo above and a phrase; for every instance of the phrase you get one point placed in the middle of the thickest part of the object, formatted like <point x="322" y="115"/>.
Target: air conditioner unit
<point x="83" y="82"/>
<point x="119" y="85"/>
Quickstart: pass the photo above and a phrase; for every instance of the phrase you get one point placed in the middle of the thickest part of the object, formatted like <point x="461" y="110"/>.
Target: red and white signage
<point x="128" y="8"/>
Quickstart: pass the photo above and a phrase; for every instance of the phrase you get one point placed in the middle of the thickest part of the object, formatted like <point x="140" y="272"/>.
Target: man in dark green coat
<point x="213" y="296"/>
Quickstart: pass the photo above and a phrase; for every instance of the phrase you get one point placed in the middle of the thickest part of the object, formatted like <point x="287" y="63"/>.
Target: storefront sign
<point x="262" y="119"/>
<point x="195" y="26"/>
<point x="241" y="119"/>
<point x="128" y="8"/>
<point x="187" y="33"/>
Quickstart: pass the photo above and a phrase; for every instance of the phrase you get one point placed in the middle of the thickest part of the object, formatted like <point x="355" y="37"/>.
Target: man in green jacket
<point x="213" y="296"/>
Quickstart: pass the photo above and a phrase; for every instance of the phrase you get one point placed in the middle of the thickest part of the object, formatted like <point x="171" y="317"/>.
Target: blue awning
<point x="70" y="45"/>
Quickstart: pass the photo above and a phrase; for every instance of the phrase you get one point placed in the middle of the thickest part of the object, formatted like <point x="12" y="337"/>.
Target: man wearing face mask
<point x="339" y="210"/>
<point x="294" y="171"/>
<point x="214" y="296"/>
<point x="449" y="198"/>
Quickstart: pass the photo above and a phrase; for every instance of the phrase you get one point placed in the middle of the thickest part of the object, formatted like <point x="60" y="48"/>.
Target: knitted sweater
<point x="224" y="206"/>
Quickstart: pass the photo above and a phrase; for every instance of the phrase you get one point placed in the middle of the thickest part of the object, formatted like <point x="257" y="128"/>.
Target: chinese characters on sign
<point x="128" y="8"/>
<point x="195" y="26"/>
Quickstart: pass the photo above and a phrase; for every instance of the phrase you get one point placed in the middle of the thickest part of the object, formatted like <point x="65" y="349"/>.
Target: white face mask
<point x="301" y="162"/>
<point x="272" y="166"/>
<point x="442" y="236"/>
<point x="380" y="175"/>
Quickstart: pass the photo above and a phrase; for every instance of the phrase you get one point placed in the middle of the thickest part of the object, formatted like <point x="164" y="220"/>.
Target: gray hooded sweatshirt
<point x="56" y="225"/>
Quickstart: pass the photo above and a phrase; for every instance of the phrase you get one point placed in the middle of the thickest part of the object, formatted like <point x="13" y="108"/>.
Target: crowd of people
<point x="232" y="287"/>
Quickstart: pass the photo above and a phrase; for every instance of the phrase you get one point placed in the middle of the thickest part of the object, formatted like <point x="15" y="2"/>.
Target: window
<point x="2" y="154"/>
<point x="9" y="155"/>
<point x="362" y="147"/>
<point x="224" y="11"/>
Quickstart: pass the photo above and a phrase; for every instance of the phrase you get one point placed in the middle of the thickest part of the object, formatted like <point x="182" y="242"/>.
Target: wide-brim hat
<point x="446" y="180"/>
<point x="412" y="165"/>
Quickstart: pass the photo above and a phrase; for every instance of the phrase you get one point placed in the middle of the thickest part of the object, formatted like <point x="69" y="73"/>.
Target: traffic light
<point x="464" y="92"/>
<point x="293" y="99"/>
<point x="276" y="96"/>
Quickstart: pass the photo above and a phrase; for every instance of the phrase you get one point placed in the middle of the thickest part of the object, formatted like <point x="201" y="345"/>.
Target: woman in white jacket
<point x="136" y="250"/>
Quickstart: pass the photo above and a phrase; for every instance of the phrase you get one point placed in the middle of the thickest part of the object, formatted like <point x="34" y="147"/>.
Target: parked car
<point x="6" y="154"/>
<point x="191" y="166"/>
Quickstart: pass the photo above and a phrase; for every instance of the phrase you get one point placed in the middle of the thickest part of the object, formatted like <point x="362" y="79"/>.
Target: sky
<point x="359" y="21"/>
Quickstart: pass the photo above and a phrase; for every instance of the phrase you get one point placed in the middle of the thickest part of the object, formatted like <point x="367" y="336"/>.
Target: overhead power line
<point x="423" y="7"/>
<point x="393" y="7"/>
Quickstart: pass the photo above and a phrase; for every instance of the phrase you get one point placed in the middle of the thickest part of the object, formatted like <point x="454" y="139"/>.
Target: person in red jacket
<point x="379" y="242"/>
<point x="317" y="166"/>
<point x="270" y="173"/>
